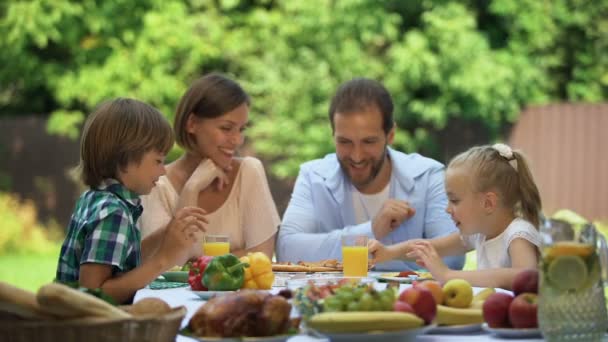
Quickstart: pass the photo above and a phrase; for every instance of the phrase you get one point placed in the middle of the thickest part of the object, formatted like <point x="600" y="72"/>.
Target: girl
<point x="496" y="206"/>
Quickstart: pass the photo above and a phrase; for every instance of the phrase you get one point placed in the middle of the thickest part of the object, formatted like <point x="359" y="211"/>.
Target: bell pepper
<point x="195" y="274"/>
<point x="259" y="273"/>
<point x="224" y="273"/>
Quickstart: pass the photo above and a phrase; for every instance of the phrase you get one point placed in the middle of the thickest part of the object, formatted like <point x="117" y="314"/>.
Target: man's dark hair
<point x="360" y="94"/>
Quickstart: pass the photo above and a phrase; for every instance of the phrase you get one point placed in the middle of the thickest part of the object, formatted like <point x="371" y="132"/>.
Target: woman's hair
<point x="210" y="96"/>
<point x="117" y="133"/>
<point x="506" y="171"/>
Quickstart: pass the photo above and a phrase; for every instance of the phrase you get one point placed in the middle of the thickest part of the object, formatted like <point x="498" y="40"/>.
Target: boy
<point x="122" y="152"/>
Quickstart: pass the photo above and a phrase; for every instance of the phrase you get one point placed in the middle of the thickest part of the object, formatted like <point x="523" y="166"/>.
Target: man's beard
<point x="376" y="167"/>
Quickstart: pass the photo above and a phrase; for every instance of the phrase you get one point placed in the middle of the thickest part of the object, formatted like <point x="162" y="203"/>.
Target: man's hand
<point x="391" y="215"/>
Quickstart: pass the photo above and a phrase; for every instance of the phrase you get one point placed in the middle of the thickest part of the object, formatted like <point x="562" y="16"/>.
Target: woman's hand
<point x="426" y="256"/>
<point x="206" y="173"/>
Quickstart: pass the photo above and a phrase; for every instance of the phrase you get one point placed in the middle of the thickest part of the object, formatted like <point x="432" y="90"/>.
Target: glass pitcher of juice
<point x="572" y="306"/>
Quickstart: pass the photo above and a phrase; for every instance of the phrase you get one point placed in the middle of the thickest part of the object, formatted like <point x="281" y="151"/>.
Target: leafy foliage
<point x="21" y="231"/>
<point x="479" y="61"/>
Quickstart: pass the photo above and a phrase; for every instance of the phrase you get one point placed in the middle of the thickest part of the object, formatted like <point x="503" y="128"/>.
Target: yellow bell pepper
<point x="259" y="273"/>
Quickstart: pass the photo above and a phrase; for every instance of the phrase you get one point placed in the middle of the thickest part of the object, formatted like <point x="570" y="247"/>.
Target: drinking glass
<point x="571" y="304"/>
<point x="355" y="255"/>
<point x="215" y="245"/>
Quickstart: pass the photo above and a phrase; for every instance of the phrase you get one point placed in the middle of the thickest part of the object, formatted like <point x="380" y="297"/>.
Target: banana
<point x="481" y="297"/>
<point x="457" y="316"/>
<point x="347" y="322"/>
<point x="484" y="294"/>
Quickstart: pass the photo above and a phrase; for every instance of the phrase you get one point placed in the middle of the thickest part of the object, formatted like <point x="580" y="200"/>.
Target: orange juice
<point x="216" y="248"/>
<point x="355" y="261"/>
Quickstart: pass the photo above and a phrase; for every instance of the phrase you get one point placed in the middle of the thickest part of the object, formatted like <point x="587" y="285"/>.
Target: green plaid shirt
<point x="102" y="230"/>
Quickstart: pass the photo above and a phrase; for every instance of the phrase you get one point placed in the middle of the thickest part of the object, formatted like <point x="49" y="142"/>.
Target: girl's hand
<point x="426" y="256"/>
<point x="206" y="173"/>
<point x="182" y="233"/>
<point x="380" y="252"/>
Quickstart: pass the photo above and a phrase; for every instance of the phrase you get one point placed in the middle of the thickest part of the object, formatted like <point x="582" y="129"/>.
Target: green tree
<point x="476" y="61"/>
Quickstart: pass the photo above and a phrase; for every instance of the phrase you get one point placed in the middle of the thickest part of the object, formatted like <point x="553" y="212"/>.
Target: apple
<point x="434" y="287"/>
<point x="403" y="307"/>
<point x="496" y="310"/>
<point x="457" y="293"/>
<point x="422" y="302"/>
<point x="525" y="281"/>
<point x="522" y="311"/>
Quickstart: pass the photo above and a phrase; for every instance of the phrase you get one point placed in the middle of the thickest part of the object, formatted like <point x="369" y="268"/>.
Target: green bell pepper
<point x="224" y="273"/>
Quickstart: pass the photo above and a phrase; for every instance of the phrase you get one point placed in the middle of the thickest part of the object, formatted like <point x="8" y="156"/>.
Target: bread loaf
<point x="65" y="302"/>
<point x="20" y="302"/>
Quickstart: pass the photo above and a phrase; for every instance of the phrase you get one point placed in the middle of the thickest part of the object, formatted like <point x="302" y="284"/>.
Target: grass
<point x="28" y="271"/>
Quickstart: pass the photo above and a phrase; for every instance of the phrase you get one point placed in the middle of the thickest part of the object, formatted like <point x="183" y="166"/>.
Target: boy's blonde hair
<point x="117" y="133"/>
<point x="498" y="168"/>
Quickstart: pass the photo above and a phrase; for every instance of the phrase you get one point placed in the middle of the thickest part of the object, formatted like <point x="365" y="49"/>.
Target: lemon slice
<point x="569" y="248"/>
<point x="567" y="272"/>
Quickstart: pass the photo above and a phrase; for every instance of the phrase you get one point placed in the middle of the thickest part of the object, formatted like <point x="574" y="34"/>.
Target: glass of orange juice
<point x="215" y="245"/>
<point x="355" y="255"/>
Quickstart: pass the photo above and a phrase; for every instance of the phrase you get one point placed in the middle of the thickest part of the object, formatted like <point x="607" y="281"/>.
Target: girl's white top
<point x="494" y="253"/>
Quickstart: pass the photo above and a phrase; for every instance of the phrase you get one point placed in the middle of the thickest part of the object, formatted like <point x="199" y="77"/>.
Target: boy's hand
<point x="207" y="173"/>
<point x="426" y="256"/>
<point x="380" y="253"/>
<point x="184" y="231"/>
<point x="391" y="215"/>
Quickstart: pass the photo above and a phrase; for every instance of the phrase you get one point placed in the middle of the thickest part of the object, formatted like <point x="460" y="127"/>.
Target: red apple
<point x="522" y="311"/>
<point x="434" y="287"/>
<point x="403" y="307"/>
<point x="422" y="302"/>
<point x="526" y="281"/>
<point x="496" y="310"/>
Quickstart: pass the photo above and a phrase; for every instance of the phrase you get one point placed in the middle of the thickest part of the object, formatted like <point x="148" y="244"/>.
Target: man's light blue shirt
<point x="321" y="210"/>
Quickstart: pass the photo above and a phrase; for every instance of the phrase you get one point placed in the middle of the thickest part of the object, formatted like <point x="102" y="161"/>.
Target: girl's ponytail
<point x="529" y="195"/>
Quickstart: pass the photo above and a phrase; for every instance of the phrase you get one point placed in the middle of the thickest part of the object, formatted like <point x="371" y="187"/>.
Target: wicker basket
<point x="152" y="329"/>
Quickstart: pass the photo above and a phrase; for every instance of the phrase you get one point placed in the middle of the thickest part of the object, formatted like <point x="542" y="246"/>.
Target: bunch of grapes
<point x="360" y="298"/>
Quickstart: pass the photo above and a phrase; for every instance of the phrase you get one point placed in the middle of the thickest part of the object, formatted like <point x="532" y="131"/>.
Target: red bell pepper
<point x="195" y="275"/>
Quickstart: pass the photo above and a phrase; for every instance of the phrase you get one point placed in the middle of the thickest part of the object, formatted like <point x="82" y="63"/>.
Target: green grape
<point x="358" y="292"/>
<point x="386" y="303"/>
<point x="353" y="306"/>
<point x="332" y="304"/>
<point x="377" y="305"/>
<point x="366" y="303"/>
<point x="345" y="297"/>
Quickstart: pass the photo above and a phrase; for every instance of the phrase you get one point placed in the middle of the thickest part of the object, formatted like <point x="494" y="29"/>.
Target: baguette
<point x="20" y="302"/>
<point x="62" y="301"/>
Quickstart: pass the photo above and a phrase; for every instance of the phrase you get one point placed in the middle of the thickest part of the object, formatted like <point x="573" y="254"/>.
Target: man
<point x="365" y="187"/>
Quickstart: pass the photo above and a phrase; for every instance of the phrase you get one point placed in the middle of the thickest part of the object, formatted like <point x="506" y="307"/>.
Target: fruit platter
<point x="347" y="311"/>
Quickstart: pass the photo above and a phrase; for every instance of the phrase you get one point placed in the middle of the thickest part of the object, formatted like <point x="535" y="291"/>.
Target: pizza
<point x="328" y="265"/>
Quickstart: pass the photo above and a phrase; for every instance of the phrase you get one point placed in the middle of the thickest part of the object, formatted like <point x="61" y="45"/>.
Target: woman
<point x="209" y="124"/>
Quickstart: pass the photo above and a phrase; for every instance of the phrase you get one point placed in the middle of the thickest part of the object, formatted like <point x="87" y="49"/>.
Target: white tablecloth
<point x="184" y="296"/>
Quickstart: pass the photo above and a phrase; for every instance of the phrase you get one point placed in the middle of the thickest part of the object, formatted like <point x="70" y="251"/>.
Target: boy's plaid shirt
<point x="102" y="230"/>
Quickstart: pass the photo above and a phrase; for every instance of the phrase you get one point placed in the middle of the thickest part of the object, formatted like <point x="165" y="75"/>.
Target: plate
<point x="210" y="294"/>
<point x="455" y="329"/>
<point x="393" y="277"/>
<point x="512" y="332"/>
<point x="280" y="338"/>
<point x="176" y="276"/>
<point x="294" y="284"/>
<point x="380" y="336"/>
